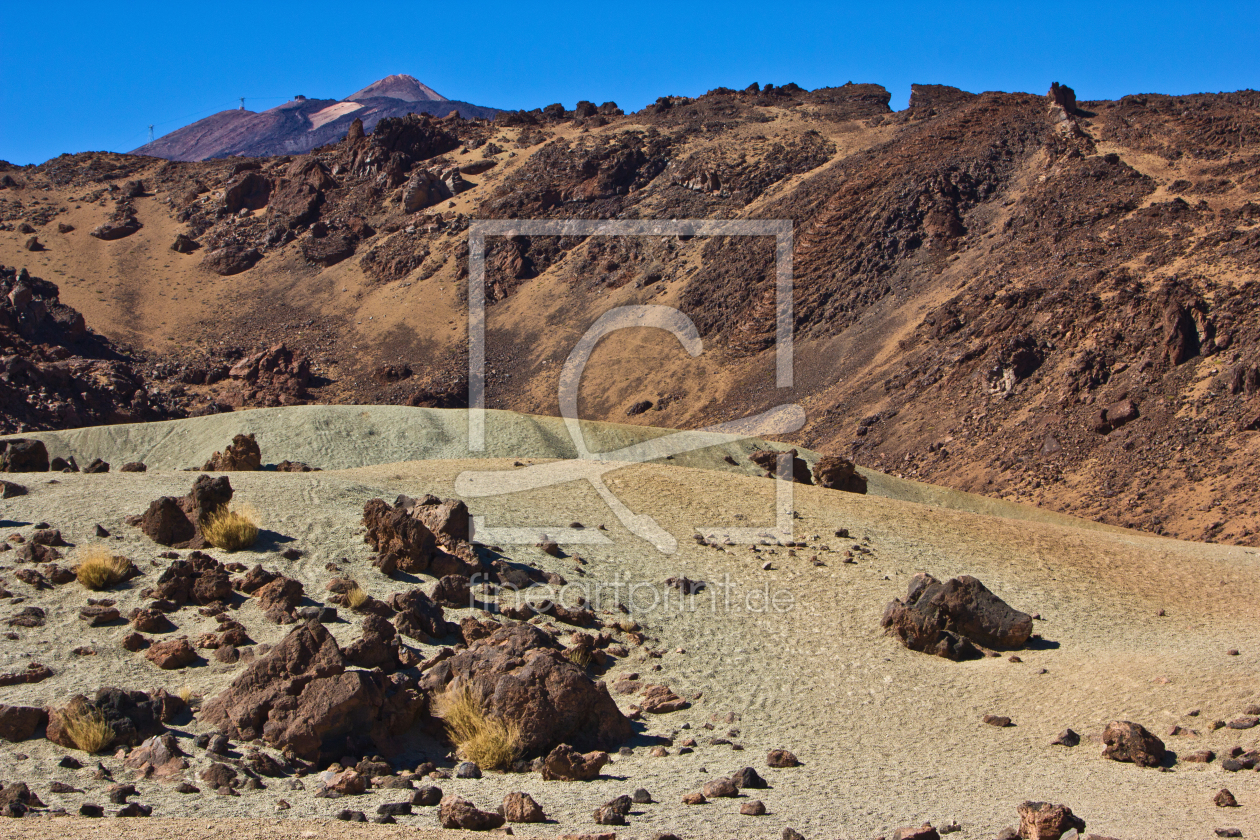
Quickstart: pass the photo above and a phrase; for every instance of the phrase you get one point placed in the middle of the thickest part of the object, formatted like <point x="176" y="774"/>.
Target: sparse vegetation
<point x="87" y="728"/>
<point x="98" y="569"/>
<point x="231" y="529"/>
<point x="492" y="744"/>
<point x="356" y="597"/>
<point x="186" y="694"/>
<point x="580" y="656"/>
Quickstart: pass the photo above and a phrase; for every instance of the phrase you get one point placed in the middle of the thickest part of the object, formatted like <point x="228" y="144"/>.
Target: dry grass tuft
<point x="186" y="694"/>
<point x="231" y="529"/>
<point x="98" y="569"/>
<point x="356" y="597"/>
<point x="87" y="728"/>
<point x="492" y="744"/>
<point x="580" y="656"/>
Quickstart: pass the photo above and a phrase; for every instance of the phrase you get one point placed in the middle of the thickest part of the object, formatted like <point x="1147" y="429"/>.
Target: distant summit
<point x="399" y="86"/>
<point x="303" y="124"/>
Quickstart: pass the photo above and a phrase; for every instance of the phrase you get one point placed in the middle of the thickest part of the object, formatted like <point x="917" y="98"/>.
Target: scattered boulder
<point x="1225" y="799"/>
<point x="660" y="700"/>
<point x="836" y="472"/>
<point x="520" y="676"/>
<point x="177" y="522"/>
<point x="951" y="619"/>
<point x="173" y="654"/>
<point x="782" y="758"/>
<point x="1046" y="821"/>
<point x="1066" y="738"/>
<point x="520" y="807"/>
<point x="300" y="698"/>
<point x="419" y="617"/>
<point x="184" y="244"/>
<point x="17" y="723"/>
<point x="1131" y="742"/>
<point x="230" y="260"/>
<point x="719" y="789"/>
<point x="242" y="456"/>
<point x="22" y="455"/>
<point x="566" y="764"/>
<point x="116" y="228"/>
<point x="456" y="812"/>
<point x="749" y="779"/>
<point x="755" y="808"/>
<point x="768" y="460"/>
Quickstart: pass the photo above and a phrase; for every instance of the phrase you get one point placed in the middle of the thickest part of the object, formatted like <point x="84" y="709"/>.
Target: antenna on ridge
<point x="242" y="103"/>
<point x="150" y="134"/>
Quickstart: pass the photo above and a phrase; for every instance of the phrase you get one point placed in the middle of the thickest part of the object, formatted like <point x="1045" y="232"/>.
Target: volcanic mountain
<point x="303" y="124"/>
<point x="1025" y="296"/>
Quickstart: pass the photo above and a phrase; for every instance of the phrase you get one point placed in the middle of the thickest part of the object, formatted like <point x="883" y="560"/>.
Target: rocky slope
<point x="1031" y="297"/>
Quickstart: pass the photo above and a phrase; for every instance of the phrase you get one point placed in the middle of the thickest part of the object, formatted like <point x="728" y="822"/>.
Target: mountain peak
<point x="399" y="86"/>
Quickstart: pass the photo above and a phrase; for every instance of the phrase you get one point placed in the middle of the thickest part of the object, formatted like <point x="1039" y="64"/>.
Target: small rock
<point x="756" y="808"/>
<point x="693" y="798"/>
<point x="782" y="758"/>
<point x="1000" y="721"/>
<point x="1225" y="799"/>
<point x="1066" y="738"/>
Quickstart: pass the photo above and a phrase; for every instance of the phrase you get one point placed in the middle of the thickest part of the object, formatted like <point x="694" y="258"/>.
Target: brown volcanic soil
<point x="977" y="278"/>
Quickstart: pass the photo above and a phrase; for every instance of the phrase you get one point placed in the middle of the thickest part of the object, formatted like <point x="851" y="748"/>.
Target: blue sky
<point x="80" y="76"/>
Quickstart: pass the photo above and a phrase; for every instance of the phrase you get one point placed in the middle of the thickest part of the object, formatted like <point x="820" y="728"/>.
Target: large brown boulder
<point x="116" y="228"/>
<point x="566" y="764"/>
<point x="454" y="812"/>
<point x="242" y="456"/>
<point x="199" y="578"/>
<point x="951" y="619"/>
<point x="378" y="646"/>
<point x="402" y="542"/>
<point x="248" y="190"/>
<point x="1046" y="821"/>
<point x="22" y="455"/>
<point x="835" y="472"/>
<point x="520" y="676"/>
<point x="446" y="518"/>
<point x="133" y="715"/>
<point x="177" y="522"/>
<point x="17" y="723"/>
<point x="768" y="460"/>
<point x="300" y="697"/>
<point x="1128" y="741"/>
<point x="419" y="616"/>
<point x="231" y="259"/>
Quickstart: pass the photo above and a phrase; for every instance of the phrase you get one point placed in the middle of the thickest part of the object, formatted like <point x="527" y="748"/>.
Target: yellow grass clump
<point x="492" y="744"/>
<point x="98" y="569"/>
<point x="231" y="529"/>
<point x="356" y="597"/>
<point x="87" y="728"/>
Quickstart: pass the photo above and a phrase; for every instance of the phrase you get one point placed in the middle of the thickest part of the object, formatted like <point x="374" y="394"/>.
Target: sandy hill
<point x="1131" y="627"/>
<point x="1032" y="298"/>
